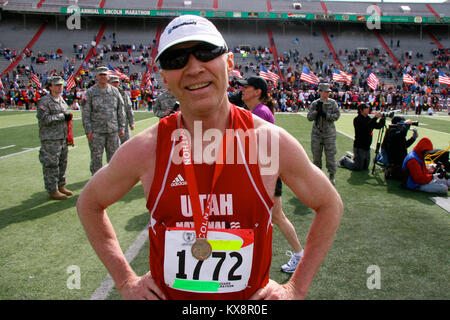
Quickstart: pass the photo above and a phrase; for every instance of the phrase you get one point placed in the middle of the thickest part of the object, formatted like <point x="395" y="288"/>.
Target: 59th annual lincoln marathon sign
<point x="253" y="15"/>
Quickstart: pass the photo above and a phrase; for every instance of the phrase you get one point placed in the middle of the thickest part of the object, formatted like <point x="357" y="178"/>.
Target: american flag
<point x="114" y="72"/>
<point x="309" y="76"/>
<point x="70" y="83"/>
<point x="268" y="75"/>
<point x="408" y="79"/>
<point x="443" y="78"/>
<point x="146" y="81"/>
<point x="35" y="79"/>
<point x="373" y="81"/>
<point x="341" y="76"/>
<point x="236" y="73"/>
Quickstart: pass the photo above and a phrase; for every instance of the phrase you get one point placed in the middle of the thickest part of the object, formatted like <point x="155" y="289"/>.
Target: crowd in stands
<point x="291" y="93"/>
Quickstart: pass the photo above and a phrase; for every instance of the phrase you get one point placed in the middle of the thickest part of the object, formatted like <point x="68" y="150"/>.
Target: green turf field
<point x="402" y="232"/>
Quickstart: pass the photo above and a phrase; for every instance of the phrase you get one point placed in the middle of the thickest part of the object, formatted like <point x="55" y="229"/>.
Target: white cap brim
<point x="188" y="28"/>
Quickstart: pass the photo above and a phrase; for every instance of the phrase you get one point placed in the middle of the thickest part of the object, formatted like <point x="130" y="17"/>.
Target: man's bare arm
<point x="107" y="186"/>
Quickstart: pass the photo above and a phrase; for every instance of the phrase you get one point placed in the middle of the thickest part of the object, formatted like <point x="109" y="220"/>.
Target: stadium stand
<point x="135" y="36"/>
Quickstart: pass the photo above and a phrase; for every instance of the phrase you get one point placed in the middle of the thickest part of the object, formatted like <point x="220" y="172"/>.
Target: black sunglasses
<point x="178" y="58"/>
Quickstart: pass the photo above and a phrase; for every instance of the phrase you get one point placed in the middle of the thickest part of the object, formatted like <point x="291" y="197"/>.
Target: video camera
<point x="440" y="171"/>
<point x="390" y="114"/>
<point x="395" y="125"/>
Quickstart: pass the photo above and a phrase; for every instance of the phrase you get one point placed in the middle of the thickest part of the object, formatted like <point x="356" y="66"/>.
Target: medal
<point x="201" y="249"/>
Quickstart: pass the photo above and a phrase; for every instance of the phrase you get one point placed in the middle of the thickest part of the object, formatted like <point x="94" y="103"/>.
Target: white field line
<point x="6" y="147"/>
<point x="105" y="288"/>
<point x="27" y="124"/>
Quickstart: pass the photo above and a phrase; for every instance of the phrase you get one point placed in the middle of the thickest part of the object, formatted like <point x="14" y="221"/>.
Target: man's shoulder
<point x="142" y="146"/>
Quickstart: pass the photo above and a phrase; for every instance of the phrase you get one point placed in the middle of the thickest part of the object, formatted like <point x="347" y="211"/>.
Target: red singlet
<point x="240" y="206"/>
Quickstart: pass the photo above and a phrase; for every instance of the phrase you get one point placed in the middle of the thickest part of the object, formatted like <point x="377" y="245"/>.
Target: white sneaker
<point x="293" y="262"/>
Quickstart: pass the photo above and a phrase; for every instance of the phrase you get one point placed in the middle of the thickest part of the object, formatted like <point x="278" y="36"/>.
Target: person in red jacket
<point x="420" y="177"/>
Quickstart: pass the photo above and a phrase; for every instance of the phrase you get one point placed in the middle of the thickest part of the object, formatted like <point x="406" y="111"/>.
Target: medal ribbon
<point x="200" y="220"/>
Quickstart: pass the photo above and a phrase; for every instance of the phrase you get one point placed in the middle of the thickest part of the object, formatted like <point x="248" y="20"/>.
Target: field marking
<point x="6" y="147"/>
<point x="102" y="292"/>
<point x="36" y="148"/>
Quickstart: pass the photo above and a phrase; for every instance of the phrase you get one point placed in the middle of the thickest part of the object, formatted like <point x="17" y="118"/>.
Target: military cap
<point x="54" y="81"/>
<point x="101" y="70"/>
<point x="113" y="79"/>
<point x="325" y="87"/>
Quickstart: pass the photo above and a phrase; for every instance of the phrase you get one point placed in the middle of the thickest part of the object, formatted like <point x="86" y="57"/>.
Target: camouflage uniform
<point x="103" y="116"/>
<point x="323" y="134"/>
<point x="53" y="135"/>
<point x="129" y="119"/>
<point x="164" y="102"/>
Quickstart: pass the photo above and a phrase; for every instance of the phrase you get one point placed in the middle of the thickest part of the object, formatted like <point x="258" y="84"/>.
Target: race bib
<point x="226" y="270"/>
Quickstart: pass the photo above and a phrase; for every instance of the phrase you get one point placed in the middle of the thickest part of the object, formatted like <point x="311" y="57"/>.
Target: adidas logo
<point x="178" y="181"/>
<point x="235" y="225"/>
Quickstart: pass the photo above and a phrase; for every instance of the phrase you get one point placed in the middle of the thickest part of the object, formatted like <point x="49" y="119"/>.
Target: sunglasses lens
<point x="207" y="54"/>
<point x="174" y="60"/>
<point x="177" y="59"/>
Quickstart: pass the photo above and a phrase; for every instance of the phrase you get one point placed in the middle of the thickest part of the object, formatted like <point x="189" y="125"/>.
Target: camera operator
<point x="420" y="177"/>
<point x="364" y="126"/>
<point x="165" y="105"/>
<point x="395" y="146"/>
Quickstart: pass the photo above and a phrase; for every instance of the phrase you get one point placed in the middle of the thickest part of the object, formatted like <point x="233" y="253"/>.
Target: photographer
<point x="394" y="146"/>
<point x="165" y="105"/>
<point x="364" y="126"/>
<point x="421" y="177"/>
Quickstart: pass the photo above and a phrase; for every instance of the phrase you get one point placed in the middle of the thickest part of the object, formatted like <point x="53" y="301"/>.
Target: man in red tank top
<point x="209" y="173"/>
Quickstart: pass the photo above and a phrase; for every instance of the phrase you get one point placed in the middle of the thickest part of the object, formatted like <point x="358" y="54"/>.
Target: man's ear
<point x="230" y="62"/>
<point x="161" y="73"/>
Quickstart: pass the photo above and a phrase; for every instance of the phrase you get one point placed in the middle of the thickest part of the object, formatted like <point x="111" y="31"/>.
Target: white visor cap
<point x="189" y="28"/>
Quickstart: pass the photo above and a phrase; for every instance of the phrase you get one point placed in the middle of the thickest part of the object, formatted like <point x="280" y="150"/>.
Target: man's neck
<point x="102" y="85"/>
<point x="220" y="119"/>
<point x="55" y="96"/>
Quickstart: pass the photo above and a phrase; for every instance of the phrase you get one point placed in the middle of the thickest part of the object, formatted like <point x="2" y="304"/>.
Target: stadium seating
<point x="307" y="38"/>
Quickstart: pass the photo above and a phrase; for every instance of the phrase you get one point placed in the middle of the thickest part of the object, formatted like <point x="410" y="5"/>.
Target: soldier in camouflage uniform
<point x="103" y="119"/>
<point x="164" y="105"/>
<point x="129" y="118"/>
<point x="53" y="117"/>
<point x="324" y="111"/>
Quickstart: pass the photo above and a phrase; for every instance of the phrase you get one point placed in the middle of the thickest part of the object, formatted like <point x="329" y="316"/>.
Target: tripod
<point x="377" y="149"/>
